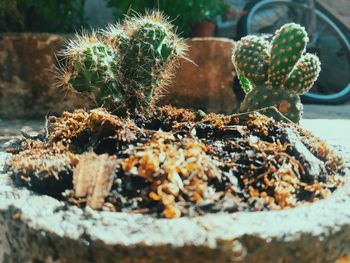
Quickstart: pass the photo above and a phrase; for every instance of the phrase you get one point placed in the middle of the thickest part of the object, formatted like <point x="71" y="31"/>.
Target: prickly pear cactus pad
<point x="276" y="73"/>
<point x="126" y="66"/>
<point x="174" y="162"/>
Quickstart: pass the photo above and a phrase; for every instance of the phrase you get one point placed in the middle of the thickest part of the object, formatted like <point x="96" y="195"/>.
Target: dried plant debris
<point x="46" y="169"/>
<point x="175" y="162"/>
<point x="93" y="178"/>
<point x="177" y="170"/>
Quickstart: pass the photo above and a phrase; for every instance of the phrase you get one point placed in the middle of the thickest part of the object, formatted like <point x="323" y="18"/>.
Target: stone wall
<point x="27" y="89"/>
<point x="205" y="80"/>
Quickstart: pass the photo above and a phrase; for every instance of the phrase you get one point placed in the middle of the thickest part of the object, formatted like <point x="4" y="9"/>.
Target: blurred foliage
<point x="184" y="13"/>
<point x="56" y="16"/>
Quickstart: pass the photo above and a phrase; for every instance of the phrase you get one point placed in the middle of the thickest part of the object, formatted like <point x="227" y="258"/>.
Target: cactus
<point x="276" y="73"/>
<point x="91" y="66"/>
<point x="251" y="59"/>
<point x="149" y="57"/>
<point x="124" y="67"/>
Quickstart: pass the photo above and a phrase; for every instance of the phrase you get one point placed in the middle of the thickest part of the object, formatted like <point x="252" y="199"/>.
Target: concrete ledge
<point x="333" y="131"/>
<point x="330" y="112"/>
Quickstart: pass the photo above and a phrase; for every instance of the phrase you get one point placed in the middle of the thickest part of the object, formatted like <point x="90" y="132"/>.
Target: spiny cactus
<point x="148" y="58"/>
<point x="91" y="66"/>
<point x="276" y="73"/>
<point x="124" y="67"/>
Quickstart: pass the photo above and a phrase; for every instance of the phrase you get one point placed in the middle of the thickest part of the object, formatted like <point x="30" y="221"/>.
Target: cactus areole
<point x="276" y="73"/>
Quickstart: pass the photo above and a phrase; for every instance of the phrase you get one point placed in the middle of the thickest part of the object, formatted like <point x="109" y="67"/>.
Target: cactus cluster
<point x="126" y="66"/>
<point x="276" y="73"/>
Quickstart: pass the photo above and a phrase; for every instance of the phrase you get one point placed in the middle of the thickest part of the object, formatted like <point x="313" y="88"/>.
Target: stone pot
<point x="36" y="228"/>
<point x="27" y="81"/>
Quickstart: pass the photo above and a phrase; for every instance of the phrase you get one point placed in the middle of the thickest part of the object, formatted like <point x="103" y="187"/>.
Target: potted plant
<point x="133" y="182"/>
<point x="41" y="16"/>
<point x="193" y="18"/>
<point x="205" y="12"/>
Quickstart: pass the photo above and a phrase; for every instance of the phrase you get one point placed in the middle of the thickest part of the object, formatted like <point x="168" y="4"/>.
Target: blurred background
<point x="327" y="22"/>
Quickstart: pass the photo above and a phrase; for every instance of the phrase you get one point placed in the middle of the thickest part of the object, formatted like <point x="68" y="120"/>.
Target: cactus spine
<point x="124" y="67"/>
<point x="276" y="73"/>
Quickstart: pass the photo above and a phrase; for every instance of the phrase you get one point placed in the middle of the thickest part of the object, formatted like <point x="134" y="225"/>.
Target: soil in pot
<point x="175" y="162"/>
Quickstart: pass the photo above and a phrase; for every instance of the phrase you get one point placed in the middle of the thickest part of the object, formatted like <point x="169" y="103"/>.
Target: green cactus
<point x="149" y="58"/>
<point x="91" y="66"/>
<point x="252" y="59"/>
<point x="287" y="102"/>
<point x="125" y="66"/>
<point x="276" y="73"/>
<point x="304" y="75"/>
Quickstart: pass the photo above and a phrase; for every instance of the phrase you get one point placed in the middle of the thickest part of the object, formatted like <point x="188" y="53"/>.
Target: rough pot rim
<point x="317" y="231"/>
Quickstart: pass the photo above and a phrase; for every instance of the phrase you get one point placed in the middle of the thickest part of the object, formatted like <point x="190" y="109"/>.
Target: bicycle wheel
<point x="328" y="41"/>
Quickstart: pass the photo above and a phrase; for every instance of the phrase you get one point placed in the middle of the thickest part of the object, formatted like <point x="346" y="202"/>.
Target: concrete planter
<point x="27" y="84"/>
<point x="37" y="228"/>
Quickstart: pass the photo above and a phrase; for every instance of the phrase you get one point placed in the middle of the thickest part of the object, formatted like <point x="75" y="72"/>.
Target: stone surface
<point x="335" y="132"/>
<point x="27" y="84"/>
<point x="37" y="228"/>
<point x="331" y="112"/>
<point x="205" y="80"/>
<point x="11" y="129"/>
<point x="27" y="63"/>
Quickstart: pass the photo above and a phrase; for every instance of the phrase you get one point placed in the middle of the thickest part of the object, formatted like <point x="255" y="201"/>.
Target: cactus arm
<point x="250" y="58"/>
<point x="153" y="48"/>
<point x="304" y="75"/>
<point x="287" y="47"/>
<point x="94" y="68"/>
<point x="290" y="72"/>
